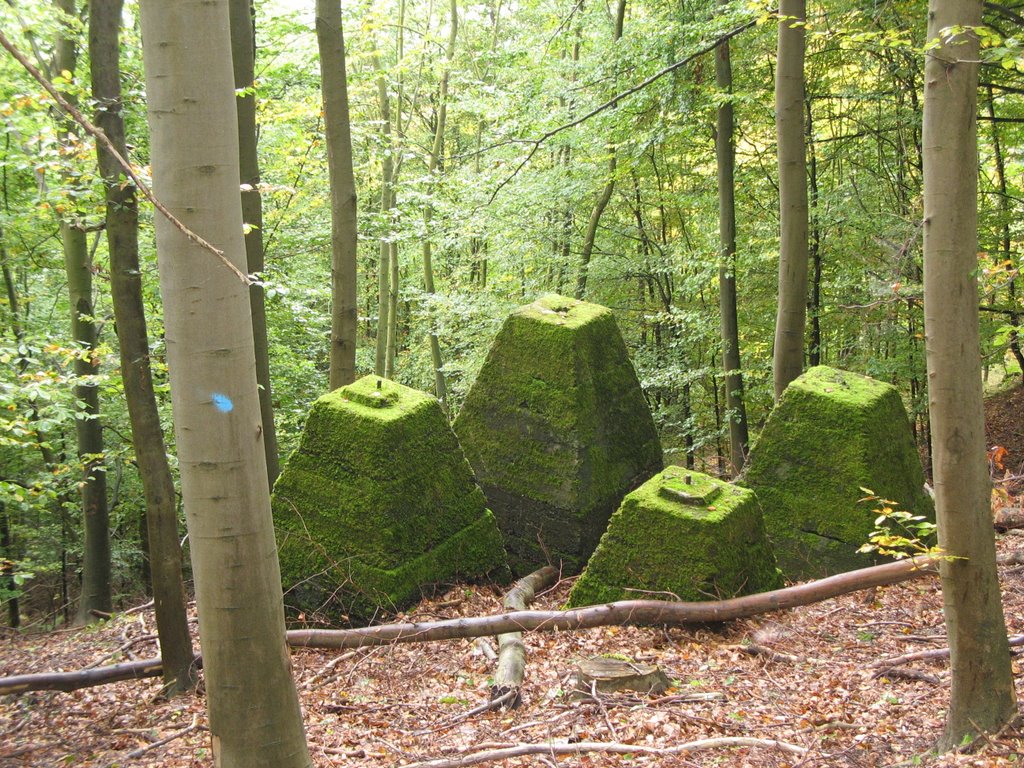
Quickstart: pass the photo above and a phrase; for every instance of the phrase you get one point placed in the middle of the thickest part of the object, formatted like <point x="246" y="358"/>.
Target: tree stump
<point x="604" y="675"/>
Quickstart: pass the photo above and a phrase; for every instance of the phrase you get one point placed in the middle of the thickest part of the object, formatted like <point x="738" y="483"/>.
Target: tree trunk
<point x="96" y="595"/>
<point x="440" y="387"/>
<point x="982" y="693"/>
<point x="243" y="58"/>
<point x="133" y="340"/>
<point x="254" y="713"/>
<point x="788" y="356"/>
<point x="386" y="203"/>
<point x="334" y="89"/>
<point x="725" y="151"/>
<point x="590" y="236"/>
<point x="1003" y="258"/>
<point x="814" y="247"/>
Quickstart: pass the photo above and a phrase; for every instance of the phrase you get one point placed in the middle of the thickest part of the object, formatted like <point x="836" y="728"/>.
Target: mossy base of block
<point x="557" y="430"/>
<point x="377" y="503"/>
<point x="681" y="535"/>
<point x="832" y="434"/>
<point x="351" y="590"/>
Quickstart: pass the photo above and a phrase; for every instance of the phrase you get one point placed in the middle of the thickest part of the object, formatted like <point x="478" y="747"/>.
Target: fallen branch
<point x="556" y="750"/>
<point x="165" y="740"/>
<point x="625" y="613"/>
<point x="933" y="655"/>
<point x="511" y="667"/>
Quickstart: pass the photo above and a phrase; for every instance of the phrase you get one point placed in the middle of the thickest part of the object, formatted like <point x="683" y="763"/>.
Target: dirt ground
<point x="808" y="677"/>
<point x="812" y="678"/>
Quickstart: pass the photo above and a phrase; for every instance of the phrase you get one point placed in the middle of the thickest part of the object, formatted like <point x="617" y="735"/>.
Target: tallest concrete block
<point x="557" y="430"/>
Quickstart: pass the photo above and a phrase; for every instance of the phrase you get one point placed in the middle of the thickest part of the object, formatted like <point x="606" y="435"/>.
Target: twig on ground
<point x="933" y="655"/>
<point x="556" y="750"/>
<point x="194" y="726"/>
<point x="753" y="649"/>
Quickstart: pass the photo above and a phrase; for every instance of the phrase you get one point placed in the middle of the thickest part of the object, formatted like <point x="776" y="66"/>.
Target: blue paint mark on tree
<point x="222" y="402"/>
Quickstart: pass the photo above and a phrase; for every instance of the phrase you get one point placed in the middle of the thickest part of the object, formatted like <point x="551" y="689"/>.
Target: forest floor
<point x="811" y="677"/>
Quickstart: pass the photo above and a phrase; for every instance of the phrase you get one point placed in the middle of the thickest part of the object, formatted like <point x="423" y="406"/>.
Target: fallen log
<point x="511" y="667"/>
<point x="624" y="613"/>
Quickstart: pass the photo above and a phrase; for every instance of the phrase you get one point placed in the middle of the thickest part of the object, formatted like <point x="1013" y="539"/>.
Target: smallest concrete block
<point x="681" y="535"/>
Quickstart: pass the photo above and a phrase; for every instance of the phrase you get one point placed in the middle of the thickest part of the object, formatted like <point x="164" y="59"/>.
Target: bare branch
<point x="101" y="137"/>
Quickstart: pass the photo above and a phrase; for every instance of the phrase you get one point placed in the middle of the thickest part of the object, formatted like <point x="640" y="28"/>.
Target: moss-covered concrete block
<point x="681" y="535"/>
<point x="557" y="430"/>
<point x="378" y="502"/>
<point x="831" y="434"/>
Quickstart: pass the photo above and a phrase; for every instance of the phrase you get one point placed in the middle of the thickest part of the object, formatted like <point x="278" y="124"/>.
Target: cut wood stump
<point x="605" y="675"/>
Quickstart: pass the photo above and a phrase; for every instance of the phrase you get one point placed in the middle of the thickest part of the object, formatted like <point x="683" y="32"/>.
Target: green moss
<point x="680" y="535"/>
<point x="377" y="502"/>
<point x="831" y="434"/>
<point x="557" y="429"/>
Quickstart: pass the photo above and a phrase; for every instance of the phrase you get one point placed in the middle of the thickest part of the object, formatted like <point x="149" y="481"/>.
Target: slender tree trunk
<point x="1005" y="243"/>
<point x="7" y="548"/>
<point x="133" y="340"/>
<point x="590" y="236"/>
<point x="440" y="388"/>
<point x="391" y="348"/>
<point x="334" y="89"/>
<point x="725" y="151"/>
<point x="981" y="688"/>
<point x="814" y="247"/>
<point x="788" y="357"/>
<point x="255" y="721"/>
<point x="386" y="203"/>
<point x="243" y="57"/>
<point x="96" y="568"/>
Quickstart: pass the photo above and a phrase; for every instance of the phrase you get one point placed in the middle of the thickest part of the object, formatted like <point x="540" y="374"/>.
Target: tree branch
<point x="101" y="137"/>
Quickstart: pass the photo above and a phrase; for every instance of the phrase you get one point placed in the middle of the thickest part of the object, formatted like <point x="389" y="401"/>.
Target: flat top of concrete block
<point x="560" y="310"/>
<point x="682" y="491"/>
<point x="842" y="386"/>
<point x="377" y="398"/>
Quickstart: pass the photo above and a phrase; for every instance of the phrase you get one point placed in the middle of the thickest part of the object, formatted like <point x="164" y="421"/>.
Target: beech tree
<point x="243" y="60"/>
<point x="788" y="359"/>
<point x="253" y="706"/>
<point x="121" y="220"/>
<point x="344" y="235"/>
<point x="96" y="567"/>
<point x="982" y="697"/>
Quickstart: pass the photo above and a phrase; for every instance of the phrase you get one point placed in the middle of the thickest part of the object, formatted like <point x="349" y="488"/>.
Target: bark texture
<point x="243" y="59"/>
<point x="982" y="692"/>
<point x="334" y="88"/>
<point x="133" y="340"/>
<point x="253" y="707"/>
<point x="96" y="594"/>
<point x="725" y="151"/>
<point x="788" y="357"/>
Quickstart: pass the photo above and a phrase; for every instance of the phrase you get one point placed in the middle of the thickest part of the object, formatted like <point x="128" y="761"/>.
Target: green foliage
<point x="898" y="533"/>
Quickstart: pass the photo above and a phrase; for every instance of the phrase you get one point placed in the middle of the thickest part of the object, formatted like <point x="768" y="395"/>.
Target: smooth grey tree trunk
<point x="982" y="698"/>
<point x="790" y="321"/>
<point x="243" y="56"/>
<point x="334" y="89"/>
<point x="254" y="715"/>
<point x="133" y="340"/>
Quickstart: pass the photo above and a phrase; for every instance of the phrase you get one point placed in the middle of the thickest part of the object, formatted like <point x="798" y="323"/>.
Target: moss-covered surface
<point x="378" y="502"/>
<point x="831" y="434"/>
<point x="681" y="534"/>
<point x="557" y="430"/>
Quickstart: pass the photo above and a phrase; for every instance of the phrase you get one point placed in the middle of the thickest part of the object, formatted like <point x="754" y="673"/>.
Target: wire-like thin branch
<point x="538" y="141"/>
<point x="101" y="137"/>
